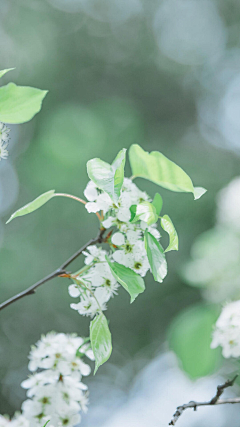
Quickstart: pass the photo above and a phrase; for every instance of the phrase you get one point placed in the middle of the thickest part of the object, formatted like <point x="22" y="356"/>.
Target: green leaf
<point x="131" y="281"/>
<point x="108" y="178"/>
<point x="168" y="226"/>
<point x="18" y="104"/>
<point x="156" y="257"/>
<point x="46" y="423"/>
<point x="190" y="337"/>
<point x="34" y="205"/>
<point x="133" y="209"/>
<point x="157" y="203"/>
<point x="2" y="72"/>
<point x="157" y="168"/>
<point x="101" y="340"/>
<point x="145" y="211"/>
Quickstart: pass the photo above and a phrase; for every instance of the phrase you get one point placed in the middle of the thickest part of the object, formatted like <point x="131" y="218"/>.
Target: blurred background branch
<point x="57" y="273"/>
<point x="214" y="401"/>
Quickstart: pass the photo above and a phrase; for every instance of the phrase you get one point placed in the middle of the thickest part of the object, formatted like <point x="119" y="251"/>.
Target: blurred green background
<point x="163" y="74"/>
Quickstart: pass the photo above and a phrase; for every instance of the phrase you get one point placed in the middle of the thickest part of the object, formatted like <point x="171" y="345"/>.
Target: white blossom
<point x="227" y="330"/>
<point x="56" y="393"/>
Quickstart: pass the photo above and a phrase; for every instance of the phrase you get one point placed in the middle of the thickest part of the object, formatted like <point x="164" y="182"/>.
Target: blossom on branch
<point x="95" y="284"/>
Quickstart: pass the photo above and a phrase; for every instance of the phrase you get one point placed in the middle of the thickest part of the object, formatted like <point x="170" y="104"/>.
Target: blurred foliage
<point x="111" y="84"/>
<point x="190" y="336"/>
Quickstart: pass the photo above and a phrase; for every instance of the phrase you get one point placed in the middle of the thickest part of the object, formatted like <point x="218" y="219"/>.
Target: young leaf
<point x="118" y="166"/>
<point x="32" y="206"/>
<point x="101" y="340"/>
<point x="157" y="203"/>
<point x="108" y="178"/>
<point x="157" y="168"/>
<point x="18" y="104"/>
<point x="168" y="226"/>
<point x="190" y="336"/>
<point x="145" y="211"/>
<point x="2" y="72"/>
<point x="156" y="257"/>
<point x="131" y="281"/>
<point x="133" y="209"/>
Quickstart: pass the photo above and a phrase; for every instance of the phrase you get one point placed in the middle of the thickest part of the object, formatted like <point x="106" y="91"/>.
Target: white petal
<point x="107" y="223"/>
<point x="118" y="239"/>
<point x="74" y="291"/>
<point x="92" y="207"/>
<point x="90" y="192"/>
<point x="124" y="214"/>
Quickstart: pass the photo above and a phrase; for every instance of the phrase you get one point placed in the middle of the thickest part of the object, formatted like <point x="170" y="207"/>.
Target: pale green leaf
<point x="118" y="166"/>
<point x="157" y="203"/>
<point x="145" y="211"/>
<point x="108" y="178"/>
<point x="190" y="336"/>
<point x="101" y="340"/>
<point x="131" y="281"/>
<point x="157" y="168"/>
<point x="34" y="205"/>
<point x="156" y="257"/>
<point x="2" y="72"/>
<point x="168" y="226"/>
<point x="18" y="104"/>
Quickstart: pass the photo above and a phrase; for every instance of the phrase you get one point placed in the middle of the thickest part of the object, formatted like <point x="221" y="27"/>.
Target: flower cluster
<point x="55" y="391"/>
<point x="95" y="284"/>
<point x="227" y="330"/>
<point x="17" y="421"/>
<point x="4" y="137"/>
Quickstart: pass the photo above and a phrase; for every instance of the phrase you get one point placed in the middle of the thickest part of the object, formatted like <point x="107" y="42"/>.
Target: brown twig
<point x="58" y="272"/>
<point x="214" y="401"/>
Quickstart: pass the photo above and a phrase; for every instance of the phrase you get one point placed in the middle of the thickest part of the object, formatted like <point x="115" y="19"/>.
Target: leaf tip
<point x="199" y="192"/>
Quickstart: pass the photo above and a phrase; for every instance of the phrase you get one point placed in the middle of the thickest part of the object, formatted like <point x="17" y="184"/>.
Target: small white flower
<point x="94" y="253"/>
<point x="68" y="419"/>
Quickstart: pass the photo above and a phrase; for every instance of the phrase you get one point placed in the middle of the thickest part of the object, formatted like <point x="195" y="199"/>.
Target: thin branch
<point x="214" y="401"/>
<point x="58" y="272"/>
